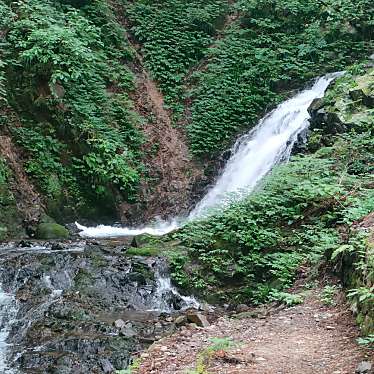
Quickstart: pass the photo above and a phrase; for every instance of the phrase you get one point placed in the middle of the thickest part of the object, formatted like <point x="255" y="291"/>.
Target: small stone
<point x="260" y="359"/>
<point x="192" y="326"/>
<point x="364" y="367"/>
<point x="163" y="348"/>
<point x="128" y="331"/>
<point x="330" y="327"/>
<point x="119" y="323"/>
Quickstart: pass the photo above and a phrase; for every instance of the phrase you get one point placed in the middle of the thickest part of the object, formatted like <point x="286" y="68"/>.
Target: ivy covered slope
<point x="272" y="47"/>
<point x="307" y="209"/>
<point x="65" y="104"/>
<point x="233" y="60"/>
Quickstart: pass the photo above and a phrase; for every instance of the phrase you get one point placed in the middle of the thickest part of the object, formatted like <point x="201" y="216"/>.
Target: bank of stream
<point x="82" y="307"/>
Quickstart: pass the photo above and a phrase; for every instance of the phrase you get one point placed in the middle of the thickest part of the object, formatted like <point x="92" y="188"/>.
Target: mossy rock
<point x="51" y="231"/>
<point x="3" y="232"/>
<point x="143" y="240"/>
<point x="147" y="251"/>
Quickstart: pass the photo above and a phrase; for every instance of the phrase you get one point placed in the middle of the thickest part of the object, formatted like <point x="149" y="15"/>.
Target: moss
<point x="144" y="251"/>
<point x="51" y="231"/>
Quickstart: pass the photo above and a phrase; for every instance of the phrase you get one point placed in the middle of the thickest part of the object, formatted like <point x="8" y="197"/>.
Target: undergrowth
<point x="66" y="79"/>
<point x="254" y="248"/>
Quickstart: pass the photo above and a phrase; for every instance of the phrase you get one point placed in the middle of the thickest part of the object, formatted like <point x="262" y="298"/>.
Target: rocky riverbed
<point x="84" y="307"/>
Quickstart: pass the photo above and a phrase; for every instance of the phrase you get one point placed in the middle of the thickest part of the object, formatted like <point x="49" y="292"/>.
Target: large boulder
<point x="46" y="231"/>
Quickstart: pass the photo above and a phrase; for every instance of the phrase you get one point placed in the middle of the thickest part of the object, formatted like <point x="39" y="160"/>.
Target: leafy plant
<point x="218" y="344"/>
<point x="286" y="298"/>
<point x="328" y="294"/>
<point x="366" y="341"/>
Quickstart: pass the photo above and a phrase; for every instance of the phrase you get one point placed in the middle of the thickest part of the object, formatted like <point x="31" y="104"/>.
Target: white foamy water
<point x="8" y="312"/>
<point x="103" y="231"/>
<point x="253" y="156"/>
<point x="165" y="291"/>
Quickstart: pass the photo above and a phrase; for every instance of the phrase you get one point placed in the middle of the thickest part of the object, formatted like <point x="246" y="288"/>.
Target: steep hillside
<point x="311" y="208"/>
<point x="118" y="110"/>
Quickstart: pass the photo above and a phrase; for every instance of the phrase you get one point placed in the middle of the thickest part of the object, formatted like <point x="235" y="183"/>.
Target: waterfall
<point x="167" y="298"/>
<point x="253" y="156"/>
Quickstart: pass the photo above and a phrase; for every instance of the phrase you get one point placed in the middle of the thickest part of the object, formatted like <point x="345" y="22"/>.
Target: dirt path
<point x="304" y="339"/>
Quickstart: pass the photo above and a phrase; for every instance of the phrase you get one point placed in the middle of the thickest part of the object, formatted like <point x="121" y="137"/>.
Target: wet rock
<point x="198" y="318"/>
<point x="57" y="247"/>
<point x="46" y="231"/>
<point x="141" y="240"/>
<point x="119" y="323"/>
<point x="364" y="367"/>
<point x="241" y="308"/>
<point x="180" y="320"/>
<point x="107" y="366"/>
<point x="24" y="244"/>
<point x="85" y="306"/>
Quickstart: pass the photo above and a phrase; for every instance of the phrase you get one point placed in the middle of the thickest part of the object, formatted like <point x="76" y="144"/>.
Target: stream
<point x="85" y="307"/>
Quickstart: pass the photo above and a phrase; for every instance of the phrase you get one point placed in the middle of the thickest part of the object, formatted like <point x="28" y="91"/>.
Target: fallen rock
<point x="128" y="331"/>
<point x="119" y="323"/>
<point x="180" y="320"/>
<point x="107" y="366"/>
<point x="364" y="367"/>
<point x="199" y="319"/>
<point x="241" y="308"/>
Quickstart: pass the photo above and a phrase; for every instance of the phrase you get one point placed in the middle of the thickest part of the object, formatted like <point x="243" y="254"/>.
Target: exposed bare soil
<point x="309" y="338"/>
<point x="28" y="200"/>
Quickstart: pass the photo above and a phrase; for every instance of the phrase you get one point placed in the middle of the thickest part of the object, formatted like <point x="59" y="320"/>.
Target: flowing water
<point x="253" y="156"/>
<point x="8" y="312"/>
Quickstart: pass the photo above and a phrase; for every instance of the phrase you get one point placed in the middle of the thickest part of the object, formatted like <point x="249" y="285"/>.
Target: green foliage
<point x="67" y="78"/>
<point x="143" y="251"/>
<point x="203" y="359"/>
<point x="219" y="344"/>
<point x="175" y="35"/>
<point x="328" y="294"/>
<point x="274" y="46"/>
<point x="134" y="366"/>
<point x="4" y="173"/>
<point x="367" y="341"/>
<point x="362" y="294"/>
<point x="254" y="247"/>
<point x="286" y="298"/>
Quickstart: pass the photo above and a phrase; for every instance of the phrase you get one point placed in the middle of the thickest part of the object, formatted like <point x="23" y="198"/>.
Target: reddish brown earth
<point x="28" y="200"/>
<point x="309" y="338"/>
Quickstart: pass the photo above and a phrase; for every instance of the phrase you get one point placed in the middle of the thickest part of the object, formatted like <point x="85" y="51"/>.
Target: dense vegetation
<point x="68" y="76"/>
<point x="66" y="80"/>
<point x="303" y="212"/>
<point x="267" y="48"/>
<point x="174" y="36"/>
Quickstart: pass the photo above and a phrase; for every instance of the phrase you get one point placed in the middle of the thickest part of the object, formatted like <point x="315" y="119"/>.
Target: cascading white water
<point x="8" y="311"/>
<point x="253" y="156"/>
<point x="165" y="291"/>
